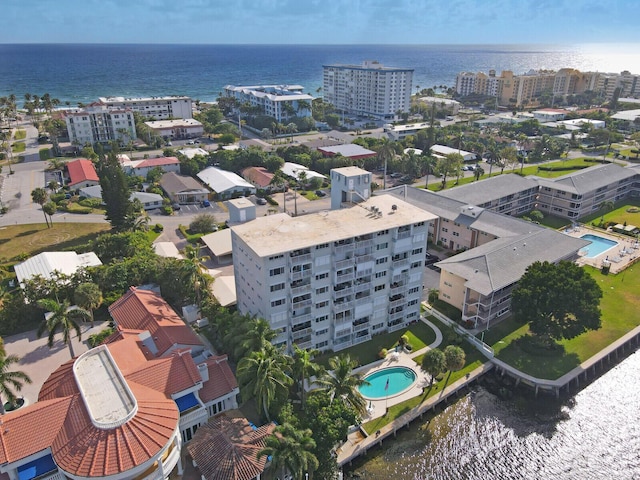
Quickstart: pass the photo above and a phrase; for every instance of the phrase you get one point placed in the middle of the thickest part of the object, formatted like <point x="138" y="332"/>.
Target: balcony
<point x="299" y="275"/>
<point x="342" y="293"/>
<point x="307" y="317"/>
<point x="301" y="290"/>
<point x="401" y="235"/>
<point x="199" y="415"/>
<point x="362" y="326"/>
<point x="396" y="315"/>
<point x="342" y="264"/>
<point x="397" y="303"/>
<point x="302" y="303"/>
<point x="400" y="263"/>
<point x="363" y="287"/>
<point x="301" y="333"/>
<point x="342" y="307"/>
<point x="364" y="258"/>
<point x="345" y="276"/>
<point x="298" y="259"/>
<point x="342" y="249"/>
<point x="342" y="332"/>
<point x="399" y="289"/>
<point x="364" y="243"/>
<point x="304" y="345"/>
<point x="364" y="300"/>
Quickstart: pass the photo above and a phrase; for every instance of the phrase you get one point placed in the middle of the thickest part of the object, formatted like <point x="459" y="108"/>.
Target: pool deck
<point x="620" y="257"/>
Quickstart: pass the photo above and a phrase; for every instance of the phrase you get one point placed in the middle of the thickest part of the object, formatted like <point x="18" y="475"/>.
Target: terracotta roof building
<point x="259" y="176"/>
<point x="82" y="173"/>
<point x="119" y="410"/>
<point x="227" y="449"/>
<point x="143" y="167"/>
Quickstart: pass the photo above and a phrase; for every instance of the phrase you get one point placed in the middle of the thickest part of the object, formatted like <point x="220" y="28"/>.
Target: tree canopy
<point x="559" y="300"/>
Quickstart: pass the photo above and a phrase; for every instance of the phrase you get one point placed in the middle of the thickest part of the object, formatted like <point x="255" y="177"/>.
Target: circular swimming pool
<point x="388" y="382"/>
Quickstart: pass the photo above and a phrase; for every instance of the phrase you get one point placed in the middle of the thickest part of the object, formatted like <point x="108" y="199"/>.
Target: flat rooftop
<point x="281" y="233"/>
<point x="105" y="392"/>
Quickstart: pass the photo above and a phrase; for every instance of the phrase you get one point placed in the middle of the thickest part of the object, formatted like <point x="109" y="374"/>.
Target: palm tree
<point x="257" y="336"/>
<point x="454" y="359"/>
<point x="193" y="270"/>
<point x="62" y="317"/>
<point x="428" y="163"/>
<point x="291" y="449"/>
<point x="50" y="208"/>
<point x="606" y="206"/>
<point x="304" y="367"/>
<point x="433" y="364"/>
<point x="342" y="383"/>
<point x="279" y="182"/>
<point x="493" y="155"/>
<point x="386" y="153"/>
<point x="39" y="196"/>
<point x="10" y="381"/>
<point x="264" y="375"/>
<point x="88" y="296"/>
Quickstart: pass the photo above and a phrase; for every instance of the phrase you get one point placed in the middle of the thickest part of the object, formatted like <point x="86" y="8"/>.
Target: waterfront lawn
<point x="31" y="239"/>
<point x="620" y="307"/>
<point x="473" y="360"/>
<point x="419" y="333"/>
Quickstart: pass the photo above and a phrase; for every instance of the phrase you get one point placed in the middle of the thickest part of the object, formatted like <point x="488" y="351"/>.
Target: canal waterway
<point x="593" y="435"/>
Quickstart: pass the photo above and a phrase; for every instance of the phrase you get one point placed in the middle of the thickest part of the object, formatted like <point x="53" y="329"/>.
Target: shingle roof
<point x="221" y="380"/>
<point x="503" y="261"/>
<point x="484" y="191"/>
<point x="227" y="448"/>
<point x="589" y="179"/>
<point x="258" y="175"/>
<point x="81" y="170"/>
<point x="157" y="162"/>
<point x="172" y="183"/>
<point x="146" y="310"/>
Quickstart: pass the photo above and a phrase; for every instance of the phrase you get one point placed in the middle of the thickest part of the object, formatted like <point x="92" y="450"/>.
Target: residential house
<point x="225" y="184"/>
<point x="179" y="128"/>
<point x="81" y="173"/>
<point x="258" y="176"/>
<point x="183" y="189"/>
<point x="46" y="263"/>
<point x="143" y="167"/>
<point x="149" y="201"/>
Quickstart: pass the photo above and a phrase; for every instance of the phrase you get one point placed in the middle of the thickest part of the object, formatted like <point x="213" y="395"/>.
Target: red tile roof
<point x="158" y="162"/>
<point x="221" y="381"/>
<point x="169" y="374"/>
<point x="81" y="449"/>
<point x="146" y="310"/>
<point x="227" y="448"/>
<point x="81" y="170"/>
<point x="259" y="176"/>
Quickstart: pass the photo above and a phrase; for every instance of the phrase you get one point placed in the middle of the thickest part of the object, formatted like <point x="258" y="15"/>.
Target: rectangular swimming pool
<point x="598" y="245"/>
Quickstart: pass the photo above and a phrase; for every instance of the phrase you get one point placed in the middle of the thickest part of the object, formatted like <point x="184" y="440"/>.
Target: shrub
<point x="158" y="227"/>
<point x="91" y="202"/>
<point x="271" y="201"/>
<point x="97" y="338"/>
<point x="203" y="223"/>
<point x="404" y="340"/>
<point x="383" y="353"/>
<point x="57" y="197"/>
<point x="166" y="210"/>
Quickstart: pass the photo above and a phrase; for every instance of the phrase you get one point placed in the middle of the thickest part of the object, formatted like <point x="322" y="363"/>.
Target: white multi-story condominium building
<point x="370" y="89"/>
<point x="333" y="279"/>
<point x="281" y="102"/>
<point x="98" y="124"/>
<point x="159" y="108"/>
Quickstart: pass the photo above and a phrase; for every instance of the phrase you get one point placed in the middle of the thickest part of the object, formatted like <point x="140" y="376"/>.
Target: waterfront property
<point x="370" y="89"/>
<point x="160" y="108"/>
<point x="388" y="382"/>
<point x="333" y="279"/>
<point x="281" y="102"/>
<point x="98" y="124"/>
<point x="177" y="128"/>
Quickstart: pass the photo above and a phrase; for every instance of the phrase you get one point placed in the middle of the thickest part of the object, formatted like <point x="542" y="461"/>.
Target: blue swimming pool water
<point x="598" y="245"/>
<point x="398" y="378"/>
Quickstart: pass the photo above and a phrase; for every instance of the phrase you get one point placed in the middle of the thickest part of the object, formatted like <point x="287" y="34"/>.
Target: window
<point x="277" y="287"/>
<point x="382" y="260"/>
<point x="322" y="344"/>
<point x="322" y="276"/>
<point x="280" y="301"/>
<point x="323" y="318"/>
<point x="276" y="257"/>
<point x="445" y="230"/>
<point x="276" y="271"/>
<point x="377" y="288"/>
<point x="320" y="291"/>
<point x="322" y="332"/>
<point x="323" y="245"/>
<point x="381" y="274"/>
<point x="322" y="304"/>
<point x="382" y="246"/>
<point x="416" y="251"/>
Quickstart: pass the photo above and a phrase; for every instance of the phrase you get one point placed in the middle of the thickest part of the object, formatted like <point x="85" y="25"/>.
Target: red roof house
<point x="82" y="173"/>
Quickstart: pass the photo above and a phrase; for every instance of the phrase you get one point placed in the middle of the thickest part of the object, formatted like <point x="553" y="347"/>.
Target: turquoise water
<point x="598" y="245"/>
<point x="398" y="378"/>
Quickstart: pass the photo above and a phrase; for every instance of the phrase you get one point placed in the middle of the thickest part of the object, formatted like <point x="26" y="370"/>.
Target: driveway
<point x="39" y="361"/>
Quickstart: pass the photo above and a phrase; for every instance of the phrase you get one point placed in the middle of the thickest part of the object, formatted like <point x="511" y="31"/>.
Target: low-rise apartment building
<point x="159" y="108"/>
<point x="581" y="193"/>
<point x="333" y="279"/>
<point x="98" y="124"/>
<point x="180" y="128"/>
<point x="281" y="102"/>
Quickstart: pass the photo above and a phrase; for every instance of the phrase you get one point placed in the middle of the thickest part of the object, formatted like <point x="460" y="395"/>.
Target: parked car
<point x="176" y="206"/>
<point x="206" y="203"/>
<point x="430" y="259"/>
<point x="261" y="201"/>
<point x="320" y="193"/>
<point x="191" y="142"/>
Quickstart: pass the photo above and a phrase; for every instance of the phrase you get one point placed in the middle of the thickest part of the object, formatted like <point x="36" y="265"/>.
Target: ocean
<point x="82" y="73"/>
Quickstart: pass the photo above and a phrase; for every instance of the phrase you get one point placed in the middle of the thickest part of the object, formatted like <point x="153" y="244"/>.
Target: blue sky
<point x="320" y="21"/>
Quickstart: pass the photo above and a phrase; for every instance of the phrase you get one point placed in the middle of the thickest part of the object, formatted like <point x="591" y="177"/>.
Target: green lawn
<point x="31" y="239"/>
<point x="45" y="154"/>
<point x="619" y="214"/>
<point x="620" y="307"/>
<point x="20" y="134"/>
<point x="419" y="335"/>
<point x="18" y="147"/>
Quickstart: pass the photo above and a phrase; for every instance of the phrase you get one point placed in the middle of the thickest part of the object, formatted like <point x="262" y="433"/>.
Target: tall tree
<point x="11" y="381"/>
<point x="386" y="153"/>
<point x="50" y="208"/>
<point x="342" y="383"/>
<point x="62" y="317"/>
<point x="291" y="449"/>
<point x="304" y="368"/>
<point x="433" y="364"/>
<point x="39" y="195"/>
<point x="88" y="296"/>
<point x="120" y="211"/>
<point x="454" y="359"/>
<point x="450" y="164"/>
<point x="264" y="375"/>
<point x="558" y="300"/>
<point x="605" y="207"/>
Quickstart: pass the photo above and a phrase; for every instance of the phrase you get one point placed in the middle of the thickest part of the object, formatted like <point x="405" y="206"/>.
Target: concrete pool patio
<point x="620" y="257"/>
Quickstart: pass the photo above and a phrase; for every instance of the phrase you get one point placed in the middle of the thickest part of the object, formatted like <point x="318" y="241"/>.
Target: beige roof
<point x="281" y="233"/>
<point x="218" y="242"/>
<point x="224" y="289"/>
<point x="167" y="249"/>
